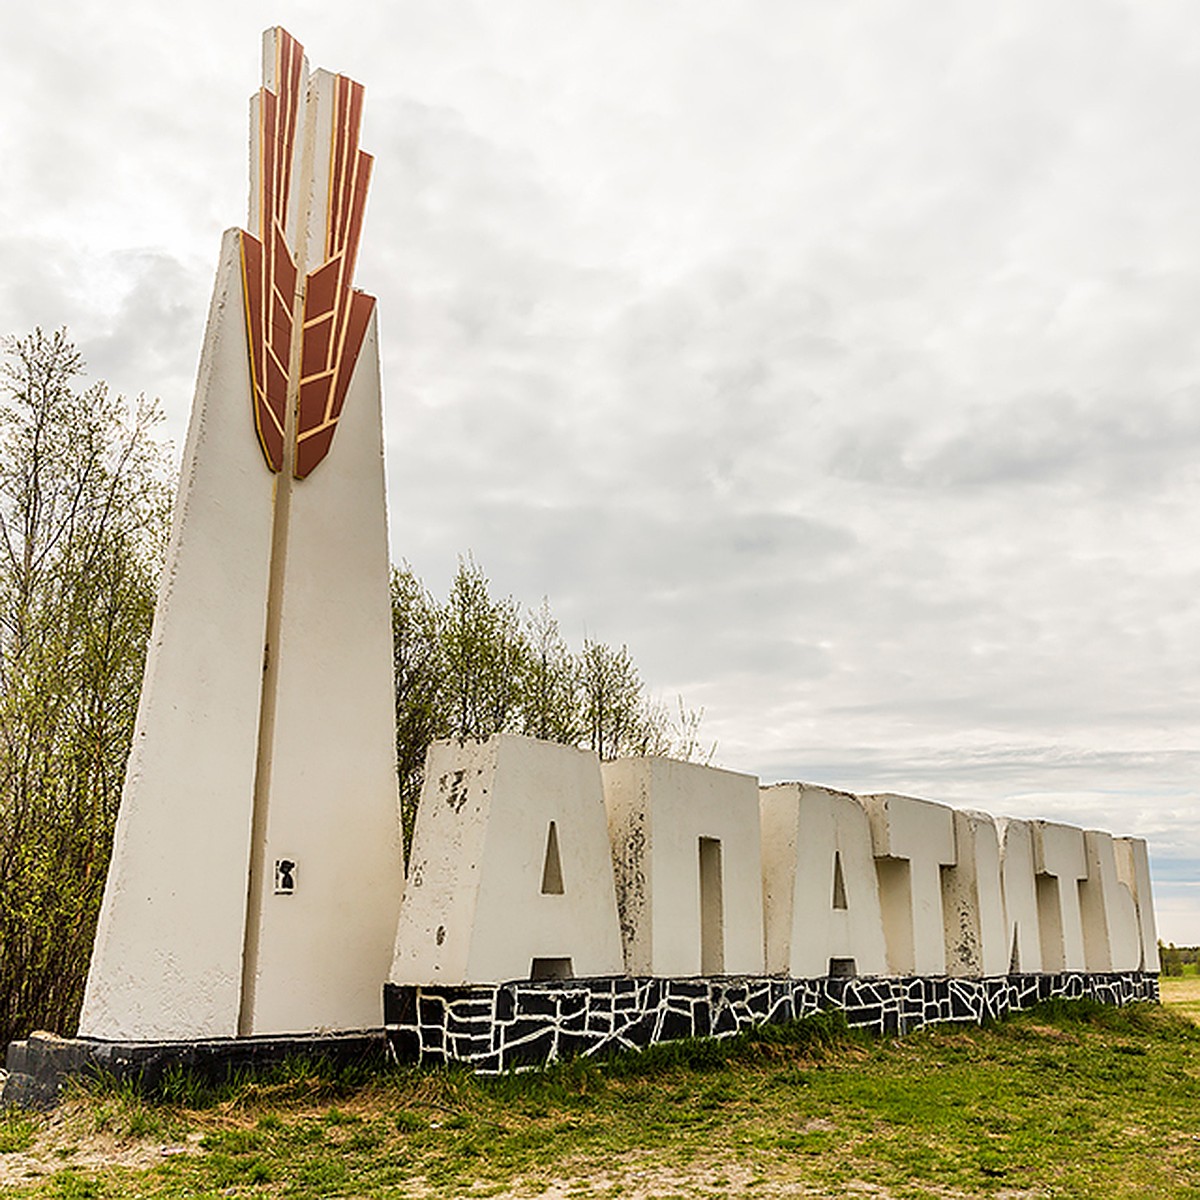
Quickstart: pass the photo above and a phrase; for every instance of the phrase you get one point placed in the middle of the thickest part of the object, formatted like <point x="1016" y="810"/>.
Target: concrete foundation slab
<point x="38" y="1065"/>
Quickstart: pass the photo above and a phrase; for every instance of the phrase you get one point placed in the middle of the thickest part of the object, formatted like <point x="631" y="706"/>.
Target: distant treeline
<point x="84" y="519"/>
<point x="1178" y="960"/>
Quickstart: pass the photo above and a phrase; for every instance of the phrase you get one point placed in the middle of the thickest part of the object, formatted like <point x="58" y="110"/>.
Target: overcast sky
<point x="840" y="359"/>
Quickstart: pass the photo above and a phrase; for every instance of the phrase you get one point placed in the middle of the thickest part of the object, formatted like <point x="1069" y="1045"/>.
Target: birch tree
<point x="82" y="526"/>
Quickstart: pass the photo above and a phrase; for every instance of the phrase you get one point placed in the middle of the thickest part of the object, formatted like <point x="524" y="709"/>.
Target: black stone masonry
<point x="497" y="1027"/>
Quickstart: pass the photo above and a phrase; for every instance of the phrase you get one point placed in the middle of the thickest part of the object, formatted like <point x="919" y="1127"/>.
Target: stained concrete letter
<point x="1023" y="936"/>
<point x="688" y="867"/>
<point x="913" y="840"/>
<point x="1111" y="940"/>
<point x="1133" y="869"/>
<point x="976" y="941"/>
<point x="510" y="875"/>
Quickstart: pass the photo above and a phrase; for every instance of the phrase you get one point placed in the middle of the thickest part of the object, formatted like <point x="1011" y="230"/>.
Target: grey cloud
<point x="39" y="284"/>
<point x="147" y="342"/>
<point x="1124" y="440"/>
<point x="1116" y="441"/>
<point x="837" y="358"/>
<point x="133" y="314"/>
<point x="692" y="595"/>
<point x="1132" y="792"/>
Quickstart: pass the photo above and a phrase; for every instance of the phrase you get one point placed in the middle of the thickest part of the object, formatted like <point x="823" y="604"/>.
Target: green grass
<point x="17" y="1131"/>
<point x="1069" y="1100"/>
<point x="1182" y="993"/>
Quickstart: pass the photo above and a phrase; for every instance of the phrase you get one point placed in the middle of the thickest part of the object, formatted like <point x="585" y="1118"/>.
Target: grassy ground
<point x="1182" y="995"/>
<point x="1066" y="1101"/>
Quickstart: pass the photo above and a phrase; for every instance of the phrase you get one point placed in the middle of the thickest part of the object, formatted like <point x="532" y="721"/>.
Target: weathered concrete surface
<point x="913" y="840"/>
<point x="489" y="890"/>
<point x="688" y="864"/>
<point x="1061" y="863"/>
<point x="1019" y="880"/>
<point x="1133" y="868"/>
<point x="1111" y="938"/>
<point x="168" y="951"/>
<point x="257" y="872"/>
<point x="321" y="952"/>
<point x="820" y="893"/>
<point x="39" y="1064"/>
<point x="972" y="900"/>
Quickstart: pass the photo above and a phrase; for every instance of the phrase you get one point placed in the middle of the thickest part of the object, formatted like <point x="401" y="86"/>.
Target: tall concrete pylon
<point x="256" y="870"/>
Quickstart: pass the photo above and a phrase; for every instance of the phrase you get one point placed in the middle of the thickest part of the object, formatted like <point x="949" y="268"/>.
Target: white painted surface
<point x="658" y="810"/>
<point x="1060" y="862"/>
<point x="913" y="840"/>
<point x="805" y="831"/>
<point x="972" y="900"/>
<point x="1111" y="940"/>
<point x="297" y="213"/>
<point x="474" y="910"/>
<point x="168" y="950"/>
<point x="1133" y="869"/>
<point x="314" y="186"/>
<point x="331" y="801"/>
<point x="1023" y="931"/>
<point x="266" y="728"/>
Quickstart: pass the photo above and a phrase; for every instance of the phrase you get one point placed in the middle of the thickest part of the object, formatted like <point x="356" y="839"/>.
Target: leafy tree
<point x="550" y="687"/>
<point x="1178" y="960"/>
<point x="474" y="666"/>
<point x="484" y="653"/>
<point x="82" y="520"/>
<point x="417" y="663"/>
<point x="612" y="691"/>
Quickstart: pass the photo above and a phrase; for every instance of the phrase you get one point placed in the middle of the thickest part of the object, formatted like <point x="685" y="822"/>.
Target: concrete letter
<point x="1061" y="863"/>
<point x="1023" y="936"/>
<point x="688" y="867"/>
<point x="1133" y="869"/>
<point x="492" y="893"/>
<point x="1111" y="940"/>
<point x="820" y="894"/>
<point x="976" y="941"/>
<point x="913" y="840"/>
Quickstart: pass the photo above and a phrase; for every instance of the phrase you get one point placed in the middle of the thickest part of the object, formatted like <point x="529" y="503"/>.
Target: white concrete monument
<point x="256" y="869"/>
<point x="554" y="904"/>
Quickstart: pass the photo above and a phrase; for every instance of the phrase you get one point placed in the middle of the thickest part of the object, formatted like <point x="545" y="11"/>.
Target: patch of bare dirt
<point x="715" y="1181"/>
<point x="66" y="1140"/>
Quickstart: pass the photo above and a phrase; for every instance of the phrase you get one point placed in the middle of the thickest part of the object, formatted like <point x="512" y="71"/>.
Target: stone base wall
<point x="496" y="1027"/>
<point x="37" y="1066"/>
